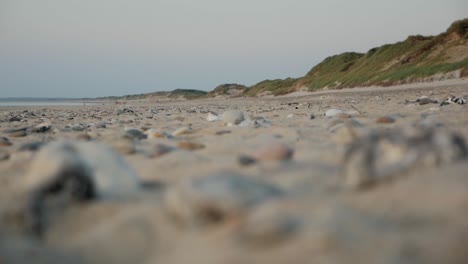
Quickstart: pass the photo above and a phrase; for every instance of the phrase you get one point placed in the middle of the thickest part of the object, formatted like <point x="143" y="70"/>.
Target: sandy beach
<point x="362" y="175"/>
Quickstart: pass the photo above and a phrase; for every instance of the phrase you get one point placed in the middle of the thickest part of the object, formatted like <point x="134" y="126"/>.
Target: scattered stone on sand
<point x="380" y="155"/>
<point x="255" y="122"/>
<point x="187" y="145"/>
<point x="217" y="198"/>
<point x="339" y="113"/>
<point x="182" y="131"/>
<point x="211" y="117"/>
<point x="233" y="117"/>
<point x="31" y="146"/>
<point x="134" y="134"/>
<point x="5" y="142"/>
<point x="64" y="173"/>
<point x="385" y="120"/>
<point x="16" y="132"/>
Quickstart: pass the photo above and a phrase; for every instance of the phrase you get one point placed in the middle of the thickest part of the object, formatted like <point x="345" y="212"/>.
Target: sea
<point x="45" y="103"/>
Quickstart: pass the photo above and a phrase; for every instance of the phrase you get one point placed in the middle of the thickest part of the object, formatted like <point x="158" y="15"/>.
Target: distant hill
<point x="418" y="58"/>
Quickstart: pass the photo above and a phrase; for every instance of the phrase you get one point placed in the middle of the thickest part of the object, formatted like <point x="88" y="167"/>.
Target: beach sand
<point x="294" y="203"/>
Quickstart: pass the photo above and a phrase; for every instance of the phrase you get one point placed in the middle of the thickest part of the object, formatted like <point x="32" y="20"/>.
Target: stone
<point x="16" y="132"/>
<point x="41" y="128"/>
<point x="134" y="134"/>
<point x="382" y="155"/>
<point x="15" y="119"/>
<point x="77" y="127"/>
<point x="101" y="124"/>
<point x="66" y="173"/>
<point x="233" y="117"/>
<point x="222" y="132"/>
<point x="5" y="142"/>
<point x="187" y="145"/>
<point x="385" y="120"/>
<point x="212" y="117"/>
<point x="273" y="152"/>
<point x="216" y="198"/>
<point x="182" y="131"/>
<point x="339" y="113"/>
<point x="154" y="133"/>
<point x="31" y="146"/>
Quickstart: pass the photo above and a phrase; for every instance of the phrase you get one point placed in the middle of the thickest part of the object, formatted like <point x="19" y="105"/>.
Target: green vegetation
<point x="410" y="60"/>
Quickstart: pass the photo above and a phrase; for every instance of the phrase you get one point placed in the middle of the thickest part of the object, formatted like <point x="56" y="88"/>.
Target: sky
<point x="91" y="48"/>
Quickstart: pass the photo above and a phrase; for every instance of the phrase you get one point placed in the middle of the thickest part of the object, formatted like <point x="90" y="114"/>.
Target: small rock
<point x="187" y="145"/>
<point x="223" y="132"/>
<point x="380" y="155"/>
<point x="246" y="160"/>
<point x="85" y="137"/>
<point x="212" y="117"/>
<point x="233" y="117"/>
<point x="65" y="173"/>
<point x="77" y="127"/>
<point x="217" y="198"/>
<point x="312" y="116"/>
<point x="153" y="133"/>
<point x="101" y="124"/>
<point x="133" y="133"/>
<point x="182" y="131"/>
<point x="273" y="152"/>
<point x="41" y="128"/>
<point x="5" y="142"/>
<point x="31" y="146"/>
<point x="16" y="132"/>
<point x="385" y="120"/>
<point x="340" y="113"/>
<point x="15" y="119"/>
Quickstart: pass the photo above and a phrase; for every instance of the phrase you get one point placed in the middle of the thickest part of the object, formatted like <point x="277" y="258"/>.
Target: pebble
<point x="41" y="128"/>
<point x="233" y="117"/>
<point x="73" y="172"/>
<point x="217" y="197"/>
<point x="154" y="133"/>
<point x="31" y="146"/>
<point x="77" y="127"/>
<point x="223" y="132"/>
<point x="271" y="152"/>
<point x="385" y="120"/>
<point x="134" y="134"/>
<point x="339" y="113"/>
<point x="5" y="142"/>
<point x="187" y="145"/>
<point x="212" y="117"/>
<point x="182" y="131"/>
<point x="380" y="155"/>
<point x="16" y="132"/>
<point x="101" y="124"/>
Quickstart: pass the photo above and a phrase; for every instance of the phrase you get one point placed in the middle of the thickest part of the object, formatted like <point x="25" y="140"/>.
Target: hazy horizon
<point x="54" y="48"/>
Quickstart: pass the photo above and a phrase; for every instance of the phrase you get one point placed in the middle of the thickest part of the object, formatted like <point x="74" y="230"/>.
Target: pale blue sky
<point x="79" y="48"/>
